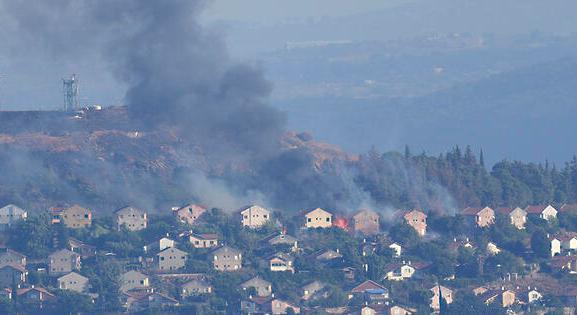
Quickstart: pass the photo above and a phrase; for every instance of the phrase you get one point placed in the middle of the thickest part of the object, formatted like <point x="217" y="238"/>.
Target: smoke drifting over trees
<point x="179" y="79"/>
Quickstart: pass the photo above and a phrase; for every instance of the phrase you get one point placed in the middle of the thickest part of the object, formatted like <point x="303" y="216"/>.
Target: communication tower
<point x="70" y="88"/>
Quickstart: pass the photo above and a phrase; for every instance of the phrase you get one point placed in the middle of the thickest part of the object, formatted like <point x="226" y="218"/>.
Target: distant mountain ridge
<point x="522" y="114"/>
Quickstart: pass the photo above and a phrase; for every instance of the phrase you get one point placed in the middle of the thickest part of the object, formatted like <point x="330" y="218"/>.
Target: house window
<point x="328" y="219"/>
<point x="309" y="220"/>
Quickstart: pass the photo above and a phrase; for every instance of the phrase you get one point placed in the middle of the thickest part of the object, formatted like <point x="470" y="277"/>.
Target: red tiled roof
<point x="504" y="210"/>
<point x="15" y="266"/>
<point x="164" y="296"/>
<point x="39" y="289"/>
<point x="367" y="285"/>
<point x="402" y="213"/>
<point x="561" y="261"/>
<point x="260" y="299"/>
<point x="535" y="209"/>
<point x="365" y="212"/>
<point x="565" y="236"/>
<point x="568" y="208"/>
<point x="11" y="251"/>
<point x="472" y="210"/>
<point x="206" y="236"/>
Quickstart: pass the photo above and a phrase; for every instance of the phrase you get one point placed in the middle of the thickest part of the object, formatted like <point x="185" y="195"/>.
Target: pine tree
<point x="482" y="159"/>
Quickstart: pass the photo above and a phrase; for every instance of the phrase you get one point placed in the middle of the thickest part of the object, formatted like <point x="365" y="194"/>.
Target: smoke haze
<point x="177" y="73"/>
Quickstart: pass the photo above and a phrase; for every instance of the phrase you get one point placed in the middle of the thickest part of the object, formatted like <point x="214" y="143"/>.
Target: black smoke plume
<point x="177" y="73"/>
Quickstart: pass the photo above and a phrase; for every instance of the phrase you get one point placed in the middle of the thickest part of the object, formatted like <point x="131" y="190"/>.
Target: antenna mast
<point x="70" y="88"/>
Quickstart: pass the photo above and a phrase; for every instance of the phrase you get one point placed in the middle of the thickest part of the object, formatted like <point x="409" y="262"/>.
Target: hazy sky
<point x="275" y="10"/>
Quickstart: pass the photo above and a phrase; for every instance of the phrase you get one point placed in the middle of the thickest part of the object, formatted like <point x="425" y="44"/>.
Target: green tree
<point x="33" y="237"/>
<point x="70" y="302"/>
<point x="404" y="234"/>
<point x="540" y="244"/>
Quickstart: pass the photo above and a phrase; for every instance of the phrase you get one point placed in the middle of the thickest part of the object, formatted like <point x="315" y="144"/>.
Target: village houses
<point x="545" y="212"/>
<point x="396" y="248"/>
<point x="131" y="218"/>
<point x="171" y="259"/>
<point x="416" y="219"/>
<point x="74" y="217"/>
<point x="132" y="280"/>
<point x="318" y="218"/>
<point x="189" y="214"/>
<point x="517" y="216"/>
<point x="386" y="309"/>
<point x="563" y="242"/>
<point x="63" y="261"/>
<point x="310" y="290"/>
<point x="149" y="300"/>
<point x="227" y="259"/>
<point x="399" y="271"/>
<point x="503" y="298"/>
<point x="11" y="214"/>
<point x="481" y="217"/>
<point x="11" y="257"/>
<point x="564" y="264"/>
<point x="203" y="240"/>
<point x="254" y="216"/>
<point x="366" y="222"/>
<point x="282" y="239"/>
<point x="11" y="274"/>
<point x="281" y="262"/>
<point x="439" y="290"/>
<point x="261" y="286"/>
<point x="77" y="246"/>
<point x="73" y="282"/>
<point x="195" y="287"/>
<point x="159" y="245"/>
<point x="279" y="307"/>
<point x="35" y="295"/>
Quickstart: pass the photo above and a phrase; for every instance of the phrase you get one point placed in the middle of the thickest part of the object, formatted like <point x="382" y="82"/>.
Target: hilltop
<point x="100" y="158"/>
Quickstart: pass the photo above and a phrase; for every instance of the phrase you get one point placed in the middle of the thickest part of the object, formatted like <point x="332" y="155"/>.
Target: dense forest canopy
<point x="459" y="178"/>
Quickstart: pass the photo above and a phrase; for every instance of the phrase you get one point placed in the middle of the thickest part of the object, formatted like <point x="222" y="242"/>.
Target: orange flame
<point x="341" y="223"/>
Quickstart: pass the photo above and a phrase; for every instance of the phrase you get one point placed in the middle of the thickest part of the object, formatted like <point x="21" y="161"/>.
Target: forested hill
<point x="97" y="164"/>
<point x="421" y="180"/>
